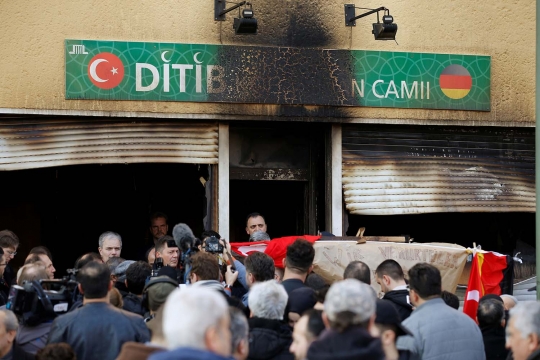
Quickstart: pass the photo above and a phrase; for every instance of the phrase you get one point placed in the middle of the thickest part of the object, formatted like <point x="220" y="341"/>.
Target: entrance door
<point x="280" y="202"/>
<point x="277" y="170"/>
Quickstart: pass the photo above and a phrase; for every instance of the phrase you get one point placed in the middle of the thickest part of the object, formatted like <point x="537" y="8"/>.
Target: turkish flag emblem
<point x="106" y="70"/>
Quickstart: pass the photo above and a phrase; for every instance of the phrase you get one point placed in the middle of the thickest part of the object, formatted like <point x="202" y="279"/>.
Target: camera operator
<point x="33" y="338"/>
<point x="167" y="250"/>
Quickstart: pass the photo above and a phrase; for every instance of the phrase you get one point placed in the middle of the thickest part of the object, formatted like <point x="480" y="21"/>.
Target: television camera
<point x="38" y="301"/>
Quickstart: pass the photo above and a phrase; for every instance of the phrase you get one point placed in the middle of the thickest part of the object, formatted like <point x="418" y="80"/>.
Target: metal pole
<point x="537" y="152"/>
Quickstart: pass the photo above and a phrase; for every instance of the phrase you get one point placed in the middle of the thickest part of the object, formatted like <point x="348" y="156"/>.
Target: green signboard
<point x="117" y="70"/>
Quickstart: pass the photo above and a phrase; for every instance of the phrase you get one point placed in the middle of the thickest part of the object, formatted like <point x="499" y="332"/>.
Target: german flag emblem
<point x="455" y="82"/>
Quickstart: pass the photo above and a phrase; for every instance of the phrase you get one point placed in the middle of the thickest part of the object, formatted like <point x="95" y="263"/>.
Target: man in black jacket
<point x="136" y="276"/>
<point x="491" y="319"/>
<point x="269" y="336"/>
<point x="97" y="330"/>
<point x="389" y="275"/>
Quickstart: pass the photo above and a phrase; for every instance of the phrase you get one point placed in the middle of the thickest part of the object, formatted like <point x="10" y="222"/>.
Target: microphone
<point x="183" y="236"/>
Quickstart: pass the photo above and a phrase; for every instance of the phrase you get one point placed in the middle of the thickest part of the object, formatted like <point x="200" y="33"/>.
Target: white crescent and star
<point x="163" y="56"/>
<point x="93" y="67"/>
<point x="195" y="58"/>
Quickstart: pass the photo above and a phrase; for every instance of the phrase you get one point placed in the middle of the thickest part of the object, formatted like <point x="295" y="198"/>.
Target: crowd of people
<point x="192" y="298"/>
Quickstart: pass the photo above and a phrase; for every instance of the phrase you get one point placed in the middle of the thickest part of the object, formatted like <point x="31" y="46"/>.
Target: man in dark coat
<point x="97" y="330"/>
<point x="136" y="276"/>
<point x="349" y="313"/>
<point x="389" y="275"/>
<point x="491" y="319"/>
<point x="8" y="330"/>
<point x="269" y="336"/>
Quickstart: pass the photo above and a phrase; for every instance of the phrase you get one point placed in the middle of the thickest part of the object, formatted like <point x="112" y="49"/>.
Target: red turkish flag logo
<point x="106" y="70"/>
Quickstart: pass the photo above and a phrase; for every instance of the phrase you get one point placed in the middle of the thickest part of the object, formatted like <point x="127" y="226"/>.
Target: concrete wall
<point x="33" y="33"/>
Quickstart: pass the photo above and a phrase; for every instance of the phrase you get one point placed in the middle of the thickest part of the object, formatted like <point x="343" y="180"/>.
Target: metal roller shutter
<point x="421" y="169"/>
<point x="37" y="143"/>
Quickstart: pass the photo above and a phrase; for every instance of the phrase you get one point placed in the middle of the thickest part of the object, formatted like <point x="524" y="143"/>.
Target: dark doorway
<point x="277" y="169"/>
<point x="280" y="202"/>
<point x="67" y="208"/>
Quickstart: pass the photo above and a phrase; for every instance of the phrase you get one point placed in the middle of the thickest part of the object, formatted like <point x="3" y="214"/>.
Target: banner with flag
<point x="487" y="274"/>
<point x="275" y="248"/>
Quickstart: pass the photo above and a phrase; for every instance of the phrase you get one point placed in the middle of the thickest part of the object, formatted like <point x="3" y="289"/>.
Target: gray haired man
<point x="349" y="315"/>
<point x="110" y="245"/>
<point x="8" y="330"/>
<point x="523" y="331"/>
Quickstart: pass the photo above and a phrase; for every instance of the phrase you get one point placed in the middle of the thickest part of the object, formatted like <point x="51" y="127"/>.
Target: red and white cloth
<point x="486" y="275"/>
<point x="276" y="248"/>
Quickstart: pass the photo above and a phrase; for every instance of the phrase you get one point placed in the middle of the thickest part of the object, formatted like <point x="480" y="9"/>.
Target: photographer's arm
<point x="240" y="268"/>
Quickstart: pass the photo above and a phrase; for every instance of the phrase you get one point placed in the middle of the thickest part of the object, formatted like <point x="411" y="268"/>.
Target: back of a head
<point x="526" y="318"/>
<point x="136" y="275"/>
<point x="41" y="250"/>
<point x="32" y="259"/>
<point x="86" y="258"/>
<point x="10" y="320"/>
<point x="315" y="325"/>
<point x="490" y="313"/>
<point x="390" y="268"/>
<point x="301" y="299"/>
<point x="450" y="299"/>
<point x="349" y="303"/>
<point x="358" y="270"/>
<point x="158" y="290"/>
<point x="425" y="280"/>
<point x="94" y="279"/>
<point x="268" y="300"/>
<point x="300" y="255"/>
<point x="8" y="239"/>
<point x="58" y="351"/>
<point x="187" y="328"/>
<point x="205" y="265"/>
<point x="115" y="298"/>
<point x="113" y="262"/>
<point x="239" y="327"/>
<point x="31" y="272"/>
<point x="259" y="235"/>
<point x="261" y="265"/>
<point x="315" y="281"/>
<point x="183" y="235"/>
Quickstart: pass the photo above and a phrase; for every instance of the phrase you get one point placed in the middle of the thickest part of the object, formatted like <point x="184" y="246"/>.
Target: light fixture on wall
<point x="244" y="25"/>
<point x="382" y="31"/>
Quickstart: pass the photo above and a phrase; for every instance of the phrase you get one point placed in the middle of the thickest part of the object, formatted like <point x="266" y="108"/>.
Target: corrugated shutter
<point x="420" y="169"/>
<point x="36" y="143"/>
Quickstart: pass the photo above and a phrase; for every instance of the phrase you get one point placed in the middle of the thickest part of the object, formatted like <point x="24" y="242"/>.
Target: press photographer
<point x="167" y="255"/>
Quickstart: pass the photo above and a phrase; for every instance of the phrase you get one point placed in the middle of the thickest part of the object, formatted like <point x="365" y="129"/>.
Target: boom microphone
<point x="183" y="236"/>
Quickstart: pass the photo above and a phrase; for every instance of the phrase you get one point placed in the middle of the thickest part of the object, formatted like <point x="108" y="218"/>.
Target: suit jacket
<point x="98" y="330"/>
<point x="441" y="333"/>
